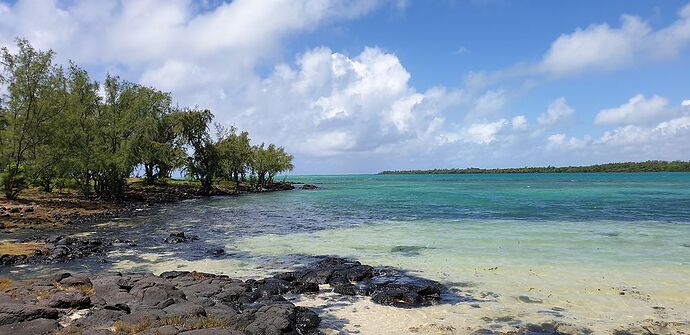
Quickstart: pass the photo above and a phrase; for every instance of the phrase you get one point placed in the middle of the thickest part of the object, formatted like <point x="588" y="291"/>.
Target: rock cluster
<point x="172" y="303"/>
<point x="386" y="286"/>
<point x="60" y="248"/>
<point x="180" y="237"/>
<point x="192" y="303"/>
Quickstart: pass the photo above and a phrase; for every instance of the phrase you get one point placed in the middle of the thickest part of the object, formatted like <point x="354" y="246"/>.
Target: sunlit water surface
<point x="594" y="250"/>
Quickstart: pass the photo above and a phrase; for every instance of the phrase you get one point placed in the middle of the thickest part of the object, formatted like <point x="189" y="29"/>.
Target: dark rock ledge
<point x="60" y="248"/>
<point x="194" y="303"/>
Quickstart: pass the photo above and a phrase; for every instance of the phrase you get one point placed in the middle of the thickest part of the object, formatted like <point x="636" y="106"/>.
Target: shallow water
<point x="599" y="251"/>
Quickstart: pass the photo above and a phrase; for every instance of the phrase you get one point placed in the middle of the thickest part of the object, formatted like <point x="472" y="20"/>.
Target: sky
<point x="355" y="86"/>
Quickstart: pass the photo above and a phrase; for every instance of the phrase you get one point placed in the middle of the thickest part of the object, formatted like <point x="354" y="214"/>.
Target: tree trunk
<point x="149" y="179"/>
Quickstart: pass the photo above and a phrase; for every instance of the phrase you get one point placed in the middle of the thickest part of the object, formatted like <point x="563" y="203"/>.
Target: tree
<point x="159" y="145"/>
<point x="204" y="164"/>
<point x="235" y="151"/>
<point x="55" y="126"/>
<point x="268" y="161"/>
<point x="119" y="127"/>
<point x="34" y="101"/>
<point x="79" y="139"/>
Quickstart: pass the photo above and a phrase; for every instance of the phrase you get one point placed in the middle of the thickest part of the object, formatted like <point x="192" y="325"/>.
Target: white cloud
<point x="666" y="140"/>
<point x="345" y="109"/>
<point x="598" y="47"/>
<point x="557" y="111"/>
<point x="685" y="104"/>
<point x="177" y="37"/>
<point x="340" y="104"/>
<point x="561" y="142"/>
<point x="489" y="102"/>
<point x="674" y="126"/>
<point x="485" y="133"/>
<point x="638" y="110"/>
<point x="461" y="51"/>
<point x="519" y="122"/>
<point x="602" y="47"/>
<point x="627" y="135"/>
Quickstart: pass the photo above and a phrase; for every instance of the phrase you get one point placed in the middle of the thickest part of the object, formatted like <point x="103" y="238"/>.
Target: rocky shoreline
<point x="37" y="209"/>
<point x="195" y="303"/>
<point x="61" y="248"/>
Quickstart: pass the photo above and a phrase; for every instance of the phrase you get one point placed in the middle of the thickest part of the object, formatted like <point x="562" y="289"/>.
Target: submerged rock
<point x="215" y="251"/>
<point x="529" y="300"/>
<point x="180" y="237"/>
<point x="407" y="250"/>
<point x="309" y="187"/>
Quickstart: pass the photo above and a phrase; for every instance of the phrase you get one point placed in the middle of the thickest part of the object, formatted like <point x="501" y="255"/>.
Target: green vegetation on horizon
<point x="59" y="127"/>
<point x="648" y="166"/>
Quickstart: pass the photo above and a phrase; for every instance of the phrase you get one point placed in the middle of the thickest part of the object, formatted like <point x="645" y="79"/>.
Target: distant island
<point x="647" y="166"/>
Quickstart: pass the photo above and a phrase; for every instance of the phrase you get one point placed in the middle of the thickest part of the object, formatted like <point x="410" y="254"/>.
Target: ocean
<point x="598" y="251"/>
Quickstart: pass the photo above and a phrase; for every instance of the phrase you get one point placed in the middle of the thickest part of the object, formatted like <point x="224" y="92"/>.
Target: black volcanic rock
<point x="217" y="304"/>
<point x="180" y="237"/>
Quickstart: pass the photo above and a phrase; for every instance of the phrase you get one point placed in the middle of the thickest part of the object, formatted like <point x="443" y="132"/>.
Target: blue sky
<point x="354" y="86"/>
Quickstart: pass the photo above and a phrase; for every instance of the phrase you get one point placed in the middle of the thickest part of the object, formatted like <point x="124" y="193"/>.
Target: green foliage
<point x="57" y="131"/>
<point x="647" y="166"/>
<point x="236" y="151"/>
<point x="14" y="178"/>
<point x="268" y="161"/>
<point x="77" y="143"/>
<point x="34" y="100"/>
<point x="204" y="164"/>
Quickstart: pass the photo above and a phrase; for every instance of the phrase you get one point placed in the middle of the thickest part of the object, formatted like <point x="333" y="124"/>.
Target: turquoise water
<point x="606" y="250"/>
<point x="575" y="197"/>
<point x="602" y="250"/>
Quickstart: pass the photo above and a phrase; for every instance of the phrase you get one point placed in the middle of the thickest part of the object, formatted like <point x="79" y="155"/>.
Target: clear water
<point x="598" y="250"/>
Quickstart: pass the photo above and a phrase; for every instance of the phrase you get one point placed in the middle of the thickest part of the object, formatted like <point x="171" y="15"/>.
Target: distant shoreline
<point x="625" y="167"/>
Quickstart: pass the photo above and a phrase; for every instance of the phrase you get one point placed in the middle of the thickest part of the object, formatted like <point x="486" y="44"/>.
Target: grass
<point x="187" y="323"/>
<point x="5" y="284"/>
<point x="121" y="327"/>
<point x="22" y="249"/>
<point x="204" y="322"/>
<point x="84" y="289"/>
<point x="42" y="294"/>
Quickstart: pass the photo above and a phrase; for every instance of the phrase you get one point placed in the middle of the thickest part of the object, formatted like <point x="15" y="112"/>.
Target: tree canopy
<point x="57" y="125"/>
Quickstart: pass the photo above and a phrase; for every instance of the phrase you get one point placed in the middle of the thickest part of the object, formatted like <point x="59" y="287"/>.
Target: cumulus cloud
<point x="598" y="47"/>
<point x="485" y="133"/>
<point x="349" y="110"/>
<point x="330" y="104"/>
<point x="178" y="45"/>
<point x="489" y="102"/>
<point x="519" y="122"/>
<point x="562" y="142"/>
<point x="602" y="47"/>
<point x="638" y="110"/>
<point x="685" y="104"/>
<point x="557" y="112"/>
<point x="666" y="140"/>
